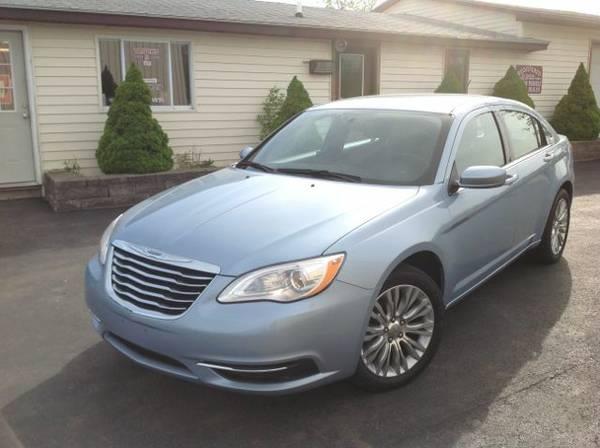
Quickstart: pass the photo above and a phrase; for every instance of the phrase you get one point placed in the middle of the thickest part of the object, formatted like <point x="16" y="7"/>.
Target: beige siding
<point x="485" y="18"/>
<point x="407" y="68"/>
<point x="568" y="47"/>
<point x="412" y="68"/>
<point x="232" y="74"/>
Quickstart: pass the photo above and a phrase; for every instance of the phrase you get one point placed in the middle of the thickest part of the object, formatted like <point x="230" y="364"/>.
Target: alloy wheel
<point x="560" y="226"/>
<point x="399" y="331"/>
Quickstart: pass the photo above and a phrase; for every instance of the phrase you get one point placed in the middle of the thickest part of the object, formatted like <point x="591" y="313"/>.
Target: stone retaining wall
<point x="586" y="150"/>
<point x="65" y="191"/>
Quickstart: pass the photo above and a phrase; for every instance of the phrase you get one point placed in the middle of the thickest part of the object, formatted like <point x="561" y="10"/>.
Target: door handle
<point x="511" y="179"/>
<point x="549" y="157"/>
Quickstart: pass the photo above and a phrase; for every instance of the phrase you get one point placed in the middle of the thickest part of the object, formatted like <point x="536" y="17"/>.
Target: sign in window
<point x="165" y="67"/>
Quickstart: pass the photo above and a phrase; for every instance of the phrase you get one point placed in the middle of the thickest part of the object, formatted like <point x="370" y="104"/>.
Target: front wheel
<point x="403" y="331"/>
<point x="556" y="231"/>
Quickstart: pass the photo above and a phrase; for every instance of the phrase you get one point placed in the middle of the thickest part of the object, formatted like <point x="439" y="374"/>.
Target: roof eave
<point x="522" y="13"/>
<point x="134" y="21"/>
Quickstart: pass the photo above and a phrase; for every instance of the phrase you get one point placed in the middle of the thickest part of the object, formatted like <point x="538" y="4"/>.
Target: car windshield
<point x="373" y="146"/>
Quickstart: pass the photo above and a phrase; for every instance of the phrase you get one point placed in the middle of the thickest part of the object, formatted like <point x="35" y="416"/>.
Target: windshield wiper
<point x="258" y="166"/>
<point x="324" y="174"/>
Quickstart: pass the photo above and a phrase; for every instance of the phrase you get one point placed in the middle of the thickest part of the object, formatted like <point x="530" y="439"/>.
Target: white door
<point x="16" y="145"/>
<point x="595" y="69"/>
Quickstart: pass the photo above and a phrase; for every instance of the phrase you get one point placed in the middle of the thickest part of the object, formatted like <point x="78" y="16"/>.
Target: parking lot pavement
<point x="518" y="364"/>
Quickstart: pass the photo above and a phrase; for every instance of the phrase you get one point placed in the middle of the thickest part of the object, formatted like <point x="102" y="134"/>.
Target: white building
<point x="210" y="64"/>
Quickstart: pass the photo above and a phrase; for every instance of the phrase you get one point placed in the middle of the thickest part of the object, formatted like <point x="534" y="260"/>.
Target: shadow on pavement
<point x="101" y="399"/>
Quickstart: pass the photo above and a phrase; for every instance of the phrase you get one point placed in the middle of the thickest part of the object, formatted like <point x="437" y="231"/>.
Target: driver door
<point x="480" y="235"/>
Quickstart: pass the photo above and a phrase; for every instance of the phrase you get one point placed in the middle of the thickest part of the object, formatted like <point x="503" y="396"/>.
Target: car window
<point x="389" y="147"/>
<point x="523" y="133"/>
<point x="548" y="135"/>
<point x="480" y="144"/>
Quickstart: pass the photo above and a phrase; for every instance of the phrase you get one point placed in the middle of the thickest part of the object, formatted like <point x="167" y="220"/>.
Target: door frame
<point x="27" y="57"/>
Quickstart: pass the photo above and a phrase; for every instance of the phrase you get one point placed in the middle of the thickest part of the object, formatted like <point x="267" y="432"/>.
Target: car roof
<point x="451" y="104"/>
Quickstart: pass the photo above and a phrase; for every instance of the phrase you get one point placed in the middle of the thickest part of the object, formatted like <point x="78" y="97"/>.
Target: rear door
<point x="530" y="154"/>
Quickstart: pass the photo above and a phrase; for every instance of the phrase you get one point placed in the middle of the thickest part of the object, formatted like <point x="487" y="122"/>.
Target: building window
<point x="352" y="74"/>
<point x="7" y="99"/>
<point x="458" y="62"/>
<point x="165" y="67"/>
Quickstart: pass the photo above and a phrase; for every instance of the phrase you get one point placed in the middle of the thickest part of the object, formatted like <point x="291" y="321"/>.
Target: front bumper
<point x="324" y="331"/>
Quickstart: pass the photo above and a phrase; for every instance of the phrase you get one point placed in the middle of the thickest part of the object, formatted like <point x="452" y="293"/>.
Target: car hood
<point x="240" y="220"/>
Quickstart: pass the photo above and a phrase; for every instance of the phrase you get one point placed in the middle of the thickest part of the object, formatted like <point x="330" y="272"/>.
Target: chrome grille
<point x="155" y="285"/>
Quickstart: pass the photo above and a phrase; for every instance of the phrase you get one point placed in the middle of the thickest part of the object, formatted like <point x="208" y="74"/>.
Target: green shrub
<point x="577" y="115"/>
<point x="269" y="117"/>
<point x="513" y="87"/>
<point x="296" y="100"/>
<point x="133" y="141"/>
<point x="451" y="84"/>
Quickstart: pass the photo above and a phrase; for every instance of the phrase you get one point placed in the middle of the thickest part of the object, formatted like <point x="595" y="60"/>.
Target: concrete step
<point x="8" y="193"/>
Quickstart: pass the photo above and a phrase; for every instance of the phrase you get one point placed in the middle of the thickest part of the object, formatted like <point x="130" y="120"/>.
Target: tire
<point x="398" y="339"/>
<point x="548" y="252"/>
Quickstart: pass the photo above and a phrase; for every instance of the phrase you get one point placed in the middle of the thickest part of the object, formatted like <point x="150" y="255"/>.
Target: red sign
<point x="532" y="76"/>
<point x="6" y="98"/>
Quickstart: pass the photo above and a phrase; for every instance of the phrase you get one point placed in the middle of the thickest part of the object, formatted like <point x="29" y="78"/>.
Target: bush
<point x="451" y="84"/>
<point x="513" y="87"/>
<point x="296" y="100"/>
<point x="577" y="115"/>
<point x="269" y="118"/>
<point x="133" y="141"/>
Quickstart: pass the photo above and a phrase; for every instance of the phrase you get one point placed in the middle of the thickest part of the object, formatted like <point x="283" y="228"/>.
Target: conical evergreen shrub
<point x="451" y="83"/>
<point x="577" y="115"/>
<point x="513" y="87"/>
<point x="133" y="141"/>
<point x="297" y="100"/>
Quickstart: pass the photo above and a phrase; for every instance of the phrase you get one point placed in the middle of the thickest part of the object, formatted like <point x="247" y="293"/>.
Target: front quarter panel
<point x="375" y="249"/>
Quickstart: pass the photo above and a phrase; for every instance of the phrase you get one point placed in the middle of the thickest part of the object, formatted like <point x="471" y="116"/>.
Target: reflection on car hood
<point x="241" y="219"/>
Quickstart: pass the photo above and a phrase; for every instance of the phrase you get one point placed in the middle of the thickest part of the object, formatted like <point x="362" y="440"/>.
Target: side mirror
<point x="245" y="151"/>
<point x="483" y="177"/>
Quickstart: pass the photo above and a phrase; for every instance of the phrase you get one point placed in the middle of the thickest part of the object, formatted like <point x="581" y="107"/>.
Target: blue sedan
<point x="333" y="248"/>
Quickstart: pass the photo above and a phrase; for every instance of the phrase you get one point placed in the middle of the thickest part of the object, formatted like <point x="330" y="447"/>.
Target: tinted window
<point x="523" y="133"/>
<point x="380" y="146"/>
<point x="480" y="144"/>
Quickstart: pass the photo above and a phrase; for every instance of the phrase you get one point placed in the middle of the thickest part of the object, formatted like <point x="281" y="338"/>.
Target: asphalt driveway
<point x="519" y="364"/>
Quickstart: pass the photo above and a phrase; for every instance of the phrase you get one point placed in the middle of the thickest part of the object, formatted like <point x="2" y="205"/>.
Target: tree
<point x="513" y="87"/>
<point x="577" y="115"/>
<point x="354" y="5"/>
<point x="269" y="117"/>
<point x="133" y="141"/>
<point x="451" y="83"/>
<point x="296" y="100"/>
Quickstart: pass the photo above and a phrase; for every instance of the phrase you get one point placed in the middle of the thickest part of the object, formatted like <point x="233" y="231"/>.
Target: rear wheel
<point x="403" y="331"/>
<point x="556" y="231"/>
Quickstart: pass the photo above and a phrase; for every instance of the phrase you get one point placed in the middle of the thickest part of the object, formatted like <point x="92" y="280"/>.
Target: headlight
<point x="285" y="282"/>
<point x="105" y="240"/>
